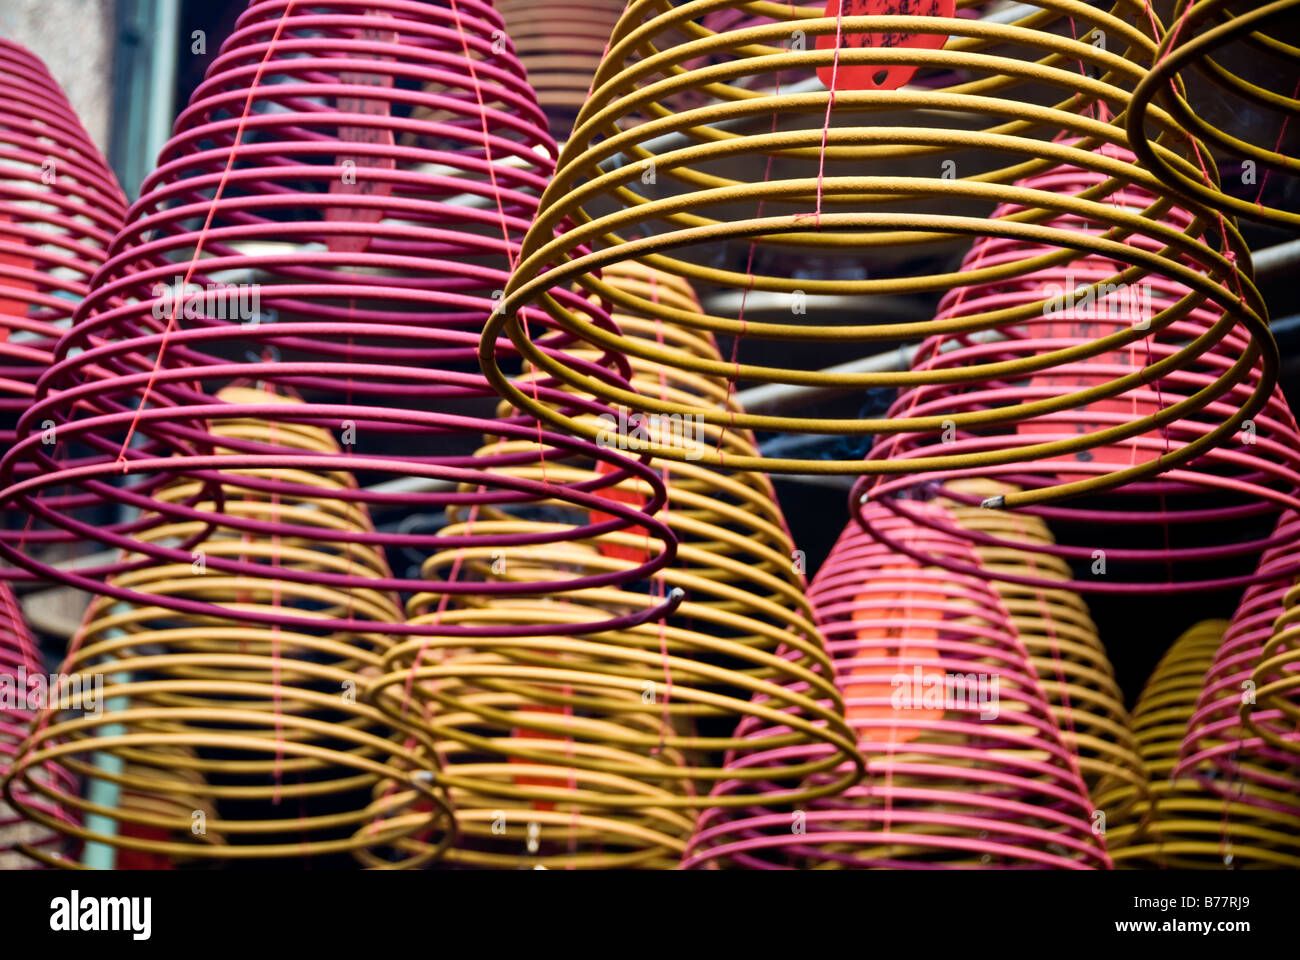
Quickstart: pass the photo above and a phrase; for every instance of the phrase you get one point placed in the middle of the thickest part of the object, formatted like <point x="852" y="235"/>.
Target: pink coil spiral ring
<point x="308" y="232"/>
<point x="1224" y="747"/>
<point x="1217" y="509"/>
<point x="59" y="209"/>
<point x="947" y="785"/>
<point x="20" y="663"/>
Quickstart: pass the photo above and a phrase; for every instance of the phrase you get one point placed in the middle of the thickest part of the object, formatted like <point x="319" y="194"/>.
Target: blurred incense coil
<point x="560" y="45"/>
<point x="592" y="796"/>
<point x="1273" y="712"/>
<point x="287" y="238"/>
<point x="622" y="728"/>
<point x="1068" y="656"/>
<point x="24" y="680"/>
<point x="1228" y="73"/>
<point x="1238" y="743"/>
<point x="786" y="187"/>
<point x="259" y="720"/>
<point x="966" y="766"/>
<point x="1182" y="825"/>
<point x="1203" y="524"/>
<point x="60" y="207"/>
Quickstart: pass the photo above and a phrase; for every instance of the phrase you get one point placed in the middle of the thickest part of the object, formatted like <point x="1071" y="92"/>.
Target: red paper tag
<point x="620" y="495"/>
<point x="868" y="76"/>
<point x="142" y="859"/>
<point x="356" y="182"/>
<point x="562" y="777"/>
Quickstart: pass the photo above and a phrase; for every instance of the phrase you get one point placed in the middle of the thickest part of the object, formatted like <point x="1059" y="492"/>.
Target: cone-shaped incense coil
<point x="561" y="45"/>
<point x="1183" y="825"/>
<point x="966" y="766"/>
<point x="24" y="690"/>
<point x="719" y="155"/>
<point x="617" y="718"/>
<point x="1240" y="740"/>
<point x="1194" y="527"/>
<point x="60" y="207"/>
<point x="268" y="715"/>
<point x="1071" y="662"/>
<point x="1222" y="63"/>
<point x="291" y="236"/>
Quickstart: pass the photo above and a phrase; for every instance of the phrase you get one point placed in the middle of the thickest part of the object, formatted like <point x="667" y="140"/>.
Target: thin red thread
<point x="203" y="232"/>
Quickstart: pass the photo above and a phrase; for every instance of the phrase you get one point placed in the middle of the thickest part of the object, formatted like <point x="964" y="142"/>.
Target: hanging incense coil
<point x="23" y="682"/>
<point x="952" y="781"/>
<point x="560" y="45"/>
<point x="59" y="208"/>
<point x="630" y="722"/>
<point x="260" y="719"/>
<point x="644" y="178"/>
<point x="287" y="238"/>
<point x="622" y="802"/>
<point x="1066" y="653"/>
<point x="1206" y="522"/>
<point x="1273" y="712"/>
<point x="1182" y="825"/>
<point x="175" y="804"/>
<point x="1232" y="60"/>
<point x="1233" y="743"/>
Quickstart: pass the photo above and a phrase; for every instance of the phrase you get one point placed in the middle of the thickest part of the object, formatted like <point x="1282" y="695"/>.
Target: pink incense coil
<point x="1218" y="509"/>
<point x="292" y="236"/>
<point x="59" y="209"/>
<point x="1224" y="748"/>
<point x="1274" y="712"/>
<point x="1180" y="825"/>
<point x="22" y="842"/>
<point x="948" y="785"/>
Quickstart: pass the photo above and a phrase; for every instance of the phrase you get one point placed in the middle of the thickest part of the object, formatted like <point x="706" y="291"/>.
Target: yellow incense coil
<point x="1232" y="53"/>
<point x="1065" y="650"/>
<point x="1183" y="825"/>
<point x="707" y="154"/>
<point x="259" y="726"/>
<point x="1274" y="712"/>
<point x="614" y="735"/>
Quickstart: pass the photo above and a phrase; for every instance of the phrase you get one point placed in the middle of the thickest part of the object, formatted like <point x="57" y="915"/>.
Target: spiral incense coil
<point x="958" y="774"/>
<point x="620" y="730"/>
<point x="1067" y="654"/>
<point x="59" y="209"/>
<point x="1239" y="740"/>
<point x="260" y="720"/>
<point x="1211" y="518"/>
<point x="1182" y="825"/>
<point x="1243" y="58"/>
<point x="174" y="804"/>
<point x="24" y="681"/>
<point x="1274" y="712"/>
<point x="647" y="178"/>
<point x="312" y="252"/>
<point x="560" y="45"/>
<point x="1271" y="713"/>
<point x="494" y="760"/>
